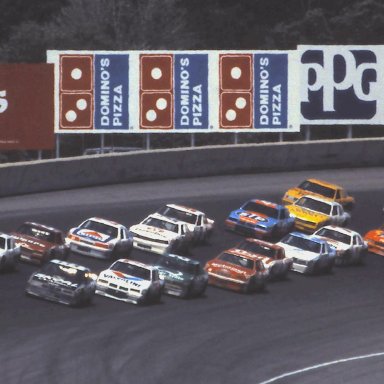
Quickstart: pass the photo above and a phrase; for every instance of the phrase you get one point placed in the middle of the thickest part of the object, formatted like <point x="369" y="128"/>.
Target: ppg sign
<point x="341" y="84"/>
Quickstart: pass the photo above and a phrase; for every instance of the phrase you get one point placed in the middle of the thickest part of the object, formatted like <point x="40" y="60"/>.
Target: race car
<point x="40" y="243"/>
<point x="100" y="238"/>
<point x="350" y="245"/>
<point x="237" y="270"/>
<point x="182" y="276"/>
<point x="260" y="218"/>
<point x="272" y="255"/>
<point x="130" y="281"/>
<point x="160" y="234"/>
<point x="198" y="223"/>
<point x="375" y="240"/>
<point x="310" y="254"/>
<point x="9" y="252"/>
<point x="63" y="282"/>
<point x="322" y="189"/>
<point x="312" y="213"/>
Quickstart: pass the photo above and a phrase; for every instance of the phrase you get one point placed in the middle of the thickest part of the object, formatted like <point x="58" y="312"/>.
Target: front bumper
<point x="89" y="250"/>
<point x="150" y="245"/>
<point x="114" y="291"/>
<point x="246" y="229"/>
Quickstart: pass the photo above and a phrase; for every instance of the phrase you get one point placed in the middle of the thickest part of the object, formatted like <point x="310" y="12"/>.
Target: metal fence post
<point x="57" y="146"/>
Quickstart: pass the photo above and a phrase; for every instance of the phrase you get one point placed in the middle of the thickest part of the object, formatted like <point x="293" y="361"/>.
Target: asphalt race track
<point x="319" y="329"/>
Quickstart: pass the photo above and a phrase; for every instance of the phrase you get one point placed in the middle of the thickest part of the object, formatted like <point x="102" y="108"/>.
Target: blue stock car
<point x="260" y="218"/>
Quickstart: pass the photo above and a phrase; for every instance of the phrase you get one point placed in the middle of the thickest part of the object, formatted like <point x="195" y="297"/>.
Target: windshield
<point x="335" y="235"/>
<point x="67" y="273"/>
<point x="302" y="243"/>
<point x="132" y="270"/>
<point x="37" y="232"/>
<point x="317" y="188"/>
<point x="261" y="208"/>
<point x="314" y="205"/>
<point x="253" y="247"/>
<point x="162" y="224"/>
<point x="177" y="214"/>
<point x="100" y="227"/>
<point x="237" y="260"/>
<point x="178" y="265"/>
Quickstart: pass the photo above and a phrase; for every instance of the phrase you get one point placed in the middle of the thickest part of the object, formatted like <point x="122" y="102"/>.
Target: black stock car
<point x="63" y="282"/>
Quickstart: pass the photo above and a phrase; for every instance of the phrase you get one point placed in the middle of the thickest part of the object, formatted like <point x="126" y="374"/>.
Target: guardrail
<point x="88" y="171"/>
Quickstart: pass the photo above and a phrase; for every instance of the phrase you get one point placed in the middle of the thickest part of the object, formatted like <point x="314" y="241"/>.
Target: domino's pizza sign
<point x="175" y="91"/>
<point x="342" y="84"/>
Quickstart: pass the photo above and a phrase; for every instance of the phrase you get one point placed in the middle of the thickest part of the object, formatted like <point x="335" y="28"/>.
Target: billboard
<point x="342" y="84"/>
<point x="26" y="106"/>
<point x="175" y="91"/>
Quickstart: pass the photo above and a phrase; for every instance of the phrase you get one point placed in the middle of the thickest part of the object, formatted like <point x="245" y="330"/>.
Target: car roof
<point x="308" y="237"/>
<point x="262" y="242"/>
<point x="266" y="203"/>
<point x="165" y="218"/>
<point x="135" y="262"/>
<point x="323" y="200"/>
<point x="104" y="221"/>
<point x="70" y="265"/>
<point x="346" y="231"/>
<point x="183" y="258"/>
<point x="324" y="183"/>
<point x="43" y="226"/>
<point x="242" y="253"/>
<point x="184" y="208"/>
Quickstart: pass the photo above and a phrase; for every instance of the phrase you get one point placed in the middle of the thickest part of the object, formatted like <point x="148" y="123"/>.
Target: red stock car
<point x="237" y="270"/>
<point x="272" y="255"/>
<point x="40" y="243"/>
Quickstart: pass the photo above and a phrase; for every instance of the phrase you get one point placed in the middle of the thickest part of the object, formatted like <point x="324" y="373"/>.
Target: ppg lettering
<point x="3" y="101"/>
<point x="339" y="83"/>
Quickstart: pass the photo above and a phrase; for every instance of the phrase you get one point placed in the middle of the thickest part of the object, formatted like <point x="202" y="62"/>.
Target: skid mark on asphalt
<point x="318" y="366"/>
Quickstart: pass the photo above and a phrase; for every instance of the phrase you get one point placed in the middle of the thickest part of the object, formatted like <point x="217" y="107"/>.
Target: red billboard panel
<point x="156" y="91"/>
<point x="236" y="91"/>
<point x="26" y="106"/>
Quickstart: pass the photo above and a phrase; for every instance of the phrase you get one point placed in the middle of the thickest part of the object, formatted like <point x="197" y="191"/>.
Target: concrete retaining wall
<point x="49" y="175"/>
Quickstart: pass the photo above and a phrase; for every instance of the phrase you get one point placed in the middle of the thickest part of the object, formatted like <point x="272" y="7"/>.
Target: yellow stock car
<point x="321" y="189"/>
<point x="312" y="213"/>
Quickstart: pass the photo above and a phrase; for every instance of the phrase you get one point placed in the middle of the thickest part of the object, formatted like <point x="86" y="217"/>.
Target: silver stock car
<point x="63" y="282"/>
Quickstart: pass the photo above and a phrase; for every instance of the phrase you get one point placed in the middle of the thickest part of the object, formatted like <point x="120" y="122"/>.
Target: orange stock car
<point x="237" y="270"/>
<point x="375" y="240"/>
<point x="322" y="189"/>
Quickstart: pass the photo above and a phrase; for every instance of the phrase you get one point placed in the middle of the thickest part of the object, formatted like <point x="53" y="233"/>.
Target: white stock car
<point x="130" y="281"/>
<point x="9" y="252"/>
<point x="160" y="234"/>
<point x="310" y="254"/>
<point x="100" y="238"/>
<point x="198" y="223"/>
<point x="350" y="245"/>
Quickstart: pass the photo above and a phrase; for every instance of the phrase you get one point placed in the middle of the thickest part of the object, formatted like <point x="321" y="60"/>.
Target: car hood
<point x="294" y="252"/>
<point x="304" y="213"/>
<point x="153" y="232"/>
<point x="229" y="270"/>
<point x="31" y="242"/>
<point x="54" y="280"/>
<point x="168" y="274"/>
<point x="124" y="280"/>
<point x="92" y="236"/>
<point x="340" y="246"/>
<point x="251" y="217"/>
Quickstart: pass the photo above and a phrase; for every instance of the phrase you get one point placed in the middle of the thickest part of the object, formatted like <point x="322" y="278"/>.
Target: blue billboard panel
<point x="111" y="92"/>
<point x="270" y="91"/>
<point x="339" y="84"/>
<point x="191" y="91"/>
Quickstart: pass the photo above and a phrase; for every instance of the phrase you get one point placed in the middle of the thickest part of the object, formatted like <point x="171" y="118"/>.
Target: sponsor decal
<point x="342" y="84"/>
<point x="93" y="235"/>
